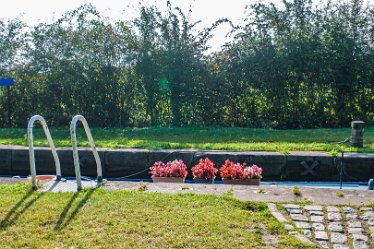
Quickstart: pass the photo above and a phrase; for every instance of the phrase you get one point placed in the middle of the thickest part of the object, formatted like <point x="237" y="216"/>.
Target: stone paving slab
<point x="318" y="226"/>
<point x="354" y="224"/>
<point x="334" y="216"/>
<point x="313" y="208"/>
<point x="332" y="209"/>
<point x="302" y="224"/>
<point x="291" y="206"/>
<point x="294" y="211"/>
<point x="340" y="246"/>
<point x="351" y="216"/>
<point x="338" y="238"/>
<point x="366" y="209"/>
<point x="321" y="235"/>
<point x="355" y="230"/>
<point x="335" y="227"/>
<point x="315" y="213"/>
<point x="298" y="217"/>
<point x="323" y="243"/>
<point x="348" y="210"/>
<point x="360" y="245"/>
<point x="368" y="215"/>
<point x="316" y="218"/>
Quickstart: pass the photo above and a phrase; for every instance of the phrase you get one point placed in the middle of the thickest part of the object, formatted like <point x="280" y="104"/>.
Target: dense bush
<point x="290" y="66"/>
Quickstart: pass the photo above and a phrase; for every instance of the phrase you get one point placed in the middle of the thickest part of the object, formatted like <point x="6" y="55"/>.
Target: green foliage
<point x="276" y="228"/>
<point x="291" y="242"/>
<point x="261" y="191"/>
<point x="143" y="187"/>
<point x="296" y="191"/>
<point x="291" y="65"/>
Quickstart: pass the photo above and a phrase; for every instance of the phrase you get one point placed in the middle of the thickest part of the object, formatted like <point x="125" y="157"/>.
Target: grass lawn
<point x="96" y="218"/>
<point x="200" y="138"/>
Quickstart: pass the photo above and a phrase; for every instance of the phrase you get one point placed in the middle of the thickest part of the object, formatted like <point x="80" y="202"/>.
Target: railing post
<point x="30" y="138"/>
<point x="73" y="133"/>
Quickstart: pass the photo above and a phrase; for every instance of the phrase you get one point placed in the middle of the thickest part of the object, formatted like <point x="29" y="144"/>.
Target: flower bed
<point x="237" y="173"/>
<point x="204" y="171"/>
<point x="172" y="171"/>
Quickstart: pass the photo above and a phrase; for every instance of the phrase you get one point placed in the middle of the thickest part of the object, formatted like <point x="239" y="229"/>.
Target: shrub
<point x="296" y="191"/>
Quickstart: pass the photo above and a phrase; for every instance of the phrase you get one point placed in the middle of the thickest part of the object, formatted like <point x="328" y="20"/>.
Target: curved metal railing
<point x="30" y="138"/>
<point x="73" y="133"/>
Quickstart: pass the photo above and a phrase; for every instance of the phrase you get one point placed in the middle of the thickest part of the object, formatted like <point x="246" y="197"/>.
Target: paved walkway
<point x="263" y="193"/>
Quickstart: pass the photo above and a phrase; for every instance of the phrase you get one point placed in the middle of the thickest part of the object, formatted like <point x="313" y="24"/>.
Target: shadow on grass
<point x="13" y="214"/>
<point x="63" y="221"/>
<point x="7" y="219"/>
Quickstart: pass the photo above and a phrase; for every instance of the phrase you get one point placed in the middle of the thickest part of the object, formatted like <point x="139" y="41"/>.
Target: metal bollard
<point x="357" y="139"/>
<point x="371" y="184"/>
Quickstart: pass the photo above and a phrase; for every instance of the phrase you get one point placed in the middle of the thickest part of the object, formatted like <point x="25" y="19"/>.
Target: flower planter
<point x="242" y="181"/>
<point x="204" y="181"/>
<point x="169" y="179"/>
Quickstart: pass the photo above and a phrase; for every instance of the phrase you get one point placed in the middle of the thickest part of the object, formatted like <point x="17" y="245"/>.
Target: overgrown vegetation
<point x="96" y="218"/>
<point x="296" y="191"/>
<point x="289" y="66"/>
<point x="200" y="138"/>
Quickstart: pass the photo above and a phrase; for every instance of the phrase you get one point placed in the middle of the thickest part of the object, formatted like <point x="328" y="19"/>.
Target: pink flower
<point x="248" y="172"/>
<point x="257" y="171"/>
<point x="253" y="172"/>
<point x="204" y="169"/>
<point x="170" y="169"/>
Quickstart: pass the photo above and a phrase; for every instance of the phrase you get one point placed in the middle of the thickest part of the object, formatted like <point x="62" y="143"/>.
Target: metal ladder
<point x="73" y="133"/>
<point x="30" y="138"/>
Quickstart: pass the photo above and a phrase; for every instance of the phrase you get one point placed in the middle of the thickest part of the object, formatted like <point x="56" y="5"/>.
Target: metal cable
<point x="342" y="142"/>
<point x="144" y="170"/>
<point x="342" y="168"/>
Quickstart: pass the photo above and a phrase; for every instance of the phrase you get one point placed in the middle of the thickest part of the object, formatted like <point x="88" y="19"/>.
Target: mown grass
<point x="201" y="138"/>
<point x="96" y="218"/>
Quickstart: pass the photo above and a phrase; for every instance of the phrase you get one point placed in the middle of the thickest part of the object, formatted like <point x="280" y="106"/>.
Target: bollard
<point x="357" y="139"/>
<point x="371" y="184"/>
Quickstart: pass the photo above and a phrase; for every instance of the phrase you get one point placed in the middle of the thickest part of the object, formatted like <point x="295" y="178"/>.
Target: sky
<point x="36" y="11"/>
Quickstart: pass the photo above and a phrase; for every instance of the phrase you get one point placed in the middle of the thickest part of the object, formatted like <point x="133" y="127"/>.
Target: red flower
<point x="204" y="169"/>
<point x="232" y="170"/>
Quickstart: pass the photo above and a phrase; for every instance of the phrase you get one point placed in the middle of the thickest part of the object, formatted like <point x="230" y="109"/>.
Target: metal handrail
<point x="30" y="138"/>
<point x="73" y="133"/>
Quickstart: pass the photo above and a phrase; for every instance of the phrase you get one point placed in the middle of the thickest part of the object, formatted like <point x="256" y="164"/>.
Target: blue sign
<point x="6" y="82"/>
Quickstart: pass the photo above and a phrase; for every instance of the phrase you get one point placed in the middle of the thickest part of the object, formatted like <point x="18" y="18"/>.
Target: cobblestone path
<point x="332" y="226"/>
